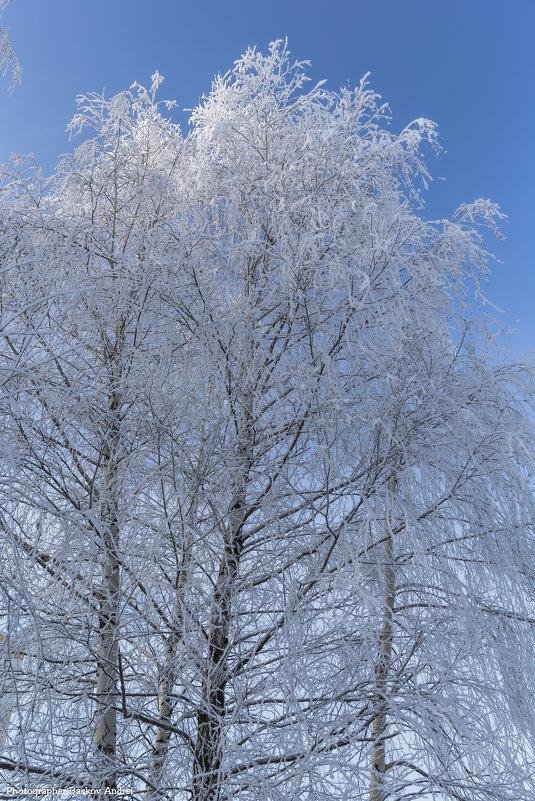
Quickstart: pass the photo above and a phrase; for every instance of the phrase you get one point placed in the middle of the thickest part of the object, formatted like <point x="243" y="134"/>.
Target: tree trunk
<point x="10" y="655"/>
<point x="211" y="714"/>
<point x="168" y="673"/>
<point x="108" y="598"/>
<point x="379" y="724"/>
<point x="166" y="685"/>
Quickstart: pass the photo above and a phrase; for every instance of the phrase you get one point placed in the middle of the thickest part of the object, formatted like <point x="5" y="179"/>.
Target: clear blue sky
<point x="469" y="65"/>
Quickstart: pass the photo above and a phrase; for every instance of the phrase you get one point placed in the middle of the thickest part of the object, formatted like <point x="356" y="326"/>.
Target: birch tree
<point x="73" y="407"/>
<point x="273" y="514"/>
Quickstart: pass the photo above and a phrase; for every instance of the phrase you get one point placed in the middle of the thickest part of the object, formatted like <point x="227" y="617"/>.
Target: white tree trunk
<point x="10" y="655"/>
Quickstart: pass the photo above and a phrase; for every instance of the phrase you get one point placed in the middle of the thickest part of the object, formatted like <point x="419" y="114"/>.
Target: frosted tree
<point x="8" y="60"/>
<point x="271" y="518"/>
<point x="76" y="417"/>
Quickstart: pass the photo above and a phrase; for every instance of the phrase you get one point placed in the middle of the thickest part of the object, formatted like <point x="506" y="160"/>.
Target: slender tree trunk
<point x="10" y="655"/>
<point x="379" y="724"/>
<point x="211" y="714"/>
<point x="168" y="674"/>
<point x="108" y="598"/>
<point x="166" y="685"/>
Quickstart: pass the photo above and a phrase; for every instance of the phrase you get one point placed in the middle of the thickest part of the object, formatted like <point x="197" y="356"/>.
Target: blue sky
<point x="469" y="65"/>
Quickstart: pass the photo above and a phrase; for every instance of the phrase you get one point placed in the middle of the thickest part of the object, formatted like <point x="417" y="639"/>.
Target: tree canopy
<point x="267" y="505"/>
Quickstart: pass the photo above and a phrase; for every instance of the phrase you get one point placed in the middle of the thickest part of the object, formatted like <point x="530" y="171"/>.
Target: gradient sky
<point x="469" y="65"/>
